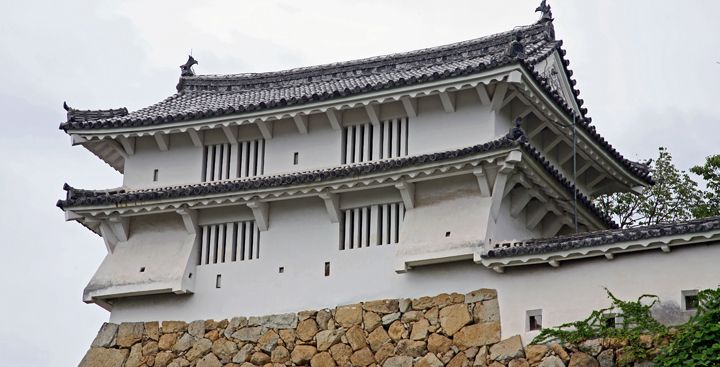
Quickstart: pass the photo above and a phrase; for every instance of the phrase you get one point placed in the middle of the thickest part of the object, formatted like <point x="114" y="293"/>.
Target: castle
<point x="448" y="169"/>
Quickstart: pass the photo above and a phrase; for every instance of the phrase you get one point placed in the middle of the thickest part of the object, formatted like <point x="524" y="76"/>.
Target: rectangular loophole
<point x="534" y="320"/>
<point x="155" y="175"/>
<point x="296" y="158"/>
<point x="218" y="281"/>
<point x="327" y="269"/>
<point x="690" y="299"/>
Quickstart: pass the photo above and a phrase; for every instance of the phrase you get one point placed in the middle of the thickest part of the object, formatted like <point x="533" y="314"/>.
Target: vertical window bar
<point x="356" y="228"/>
<point x="257" y="240"/>
<point x="228" y="151"/>
<point x="234" y="239"/>
<point x="261" y="171"/>
<point x="347" y="233"/>
<point x="358" y="145"/>
<point x="252" y="166"/>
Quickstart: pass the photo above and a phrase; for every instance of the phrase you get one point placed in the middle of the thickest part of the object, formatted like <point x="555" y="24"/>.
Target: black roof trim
<point x="515" y="138"/>
<point x="602" y="237"/>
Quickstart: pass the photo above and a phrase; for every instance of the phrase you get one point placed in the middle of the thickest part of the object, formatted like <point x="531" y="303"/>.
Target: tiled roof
<point x="515" y="138"/>
<point x="218" y="95"/>
<point x="205" y="96"/>
<point x="603" y="237"/>
<point x="81" y="116"/>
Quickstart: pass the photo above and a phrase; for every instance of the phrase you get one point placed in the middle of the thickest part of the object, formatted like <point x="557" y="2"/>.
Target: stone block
<point x="507" y="349"/>
<point x="103" y="357"/>
<point x="453" y="318"/>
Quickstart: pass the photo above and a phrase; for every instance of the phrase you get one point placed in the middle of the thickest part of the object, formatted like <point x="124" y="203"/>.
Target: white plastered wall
<point x="565" y="294"/>
<point x="157" y="257"/>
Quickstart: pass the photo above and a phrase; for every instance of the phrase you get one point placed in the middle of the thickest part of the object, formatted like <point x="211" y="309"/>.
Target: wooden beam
<point x="114" y="146"/>
<point x="498" y="269"/>
<point x="261" y="212"/>
<point x="265" y="129"/>
<point x="448" y="101"/>
<point x="108" y="236"/>
<point x="335" y="118"/>
<point x="509" y="99"/>
<point x="499" y="96"/>
<point x="534" y="217"/>
<point x="373" y="112"/>
<point x="483" y="94"/>
<point x="537" y="130"/>
<point x="196" y="137"/>
<point x="665" y="248"/>
<point x="332" y="205"/>
<point x="558" y="139"/>
<point x="163" y="141"/>
<point x="120" y="227"/>
<point x="591" y="185"/>
<point x="584" y="168"/>
<point x="410" y="105"/>
<point x="498" y="191"/>
<point x="407" y="192"/>
<point x="229" y="134"/>
<point x="189" y="218"/>
<point x="128" y="144"/>
<point x="482" y="179"/>
<point x="553" y="228"/>
<point x="554" y="263"/>
<point x="519" y="199"/>
<point x="609" y="255"/>
<point x="516" y="179"/>
<point x="301" y="121"/>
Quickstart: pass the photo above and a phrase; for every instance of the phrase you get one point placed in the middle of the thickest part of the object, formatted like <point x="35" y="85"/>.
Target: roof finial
<point x="516" y="49"/>
<point x="544" y="8"/>
<point x="66" y="107"/>
<point x="186" y="68"/>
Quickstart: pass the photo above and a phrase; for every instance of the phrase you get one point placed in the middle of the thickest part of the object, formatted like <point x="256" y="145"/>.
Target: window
<point x="533" y="320"/>
<point x="327" y="269"/>
<point x="366" y="142"/>
<point x="371" y="225"/>
<point x="222" y="163"/>
<point x="690" y="299"/>
<point x="251" y="158"/>
<point x="229" y="242"/>
<point x="218" y="281"/>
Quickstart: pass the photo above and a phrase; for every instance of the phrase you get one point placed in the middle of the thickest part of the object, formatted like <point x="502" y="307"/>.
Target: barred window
<point x="229" y="242"/>
<point x="226" y="161"/>
<point x="373" y="225"/>
<point x="366" y="142"/>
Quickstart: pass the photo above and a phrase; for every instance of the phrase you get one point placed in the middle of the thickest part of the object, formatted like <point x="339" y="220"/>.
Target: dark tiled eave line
<point x="604" y="237"/>
<point x="516" y="138"/>
<point x="583" y="121"/>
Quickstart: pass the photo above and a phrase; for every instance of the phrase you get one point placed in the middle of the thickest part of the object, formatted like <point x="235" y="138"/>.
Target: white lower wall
<point x="565" y="294"/>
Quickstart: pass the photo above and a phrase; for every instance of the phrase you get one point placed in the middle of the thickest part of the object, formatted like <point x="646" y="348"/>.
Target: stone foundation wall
<point x="456" y="330"/>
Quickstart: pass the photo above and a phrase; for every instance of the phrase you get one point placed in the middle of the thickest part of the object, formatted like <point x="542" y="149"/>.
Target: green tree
<point x="709" y="205"/>
<point x="674" y="197"/>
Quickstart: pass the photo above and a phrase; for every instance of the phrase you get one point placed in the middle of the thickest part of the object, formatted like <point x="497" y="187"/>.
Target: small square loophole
<point x="281" y="269"/>
<point x="142" y="269"/>
<point x="447" y="234"/>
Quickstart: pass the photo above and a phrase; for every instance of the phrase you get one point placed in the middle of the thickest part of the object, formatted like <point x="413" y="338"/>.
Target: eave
<point x="556" y="258"/>
<point x="534" y="167"/>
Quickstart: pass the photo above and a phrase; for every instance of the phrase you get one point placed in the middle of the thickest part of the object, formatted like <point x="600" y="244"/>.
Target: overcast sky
<point x="646" y="69"/>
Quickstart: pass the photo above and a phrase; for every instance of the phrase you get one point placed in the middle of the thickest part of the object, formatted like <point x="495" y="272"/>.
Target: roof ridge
<point x="379" y="58"/>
